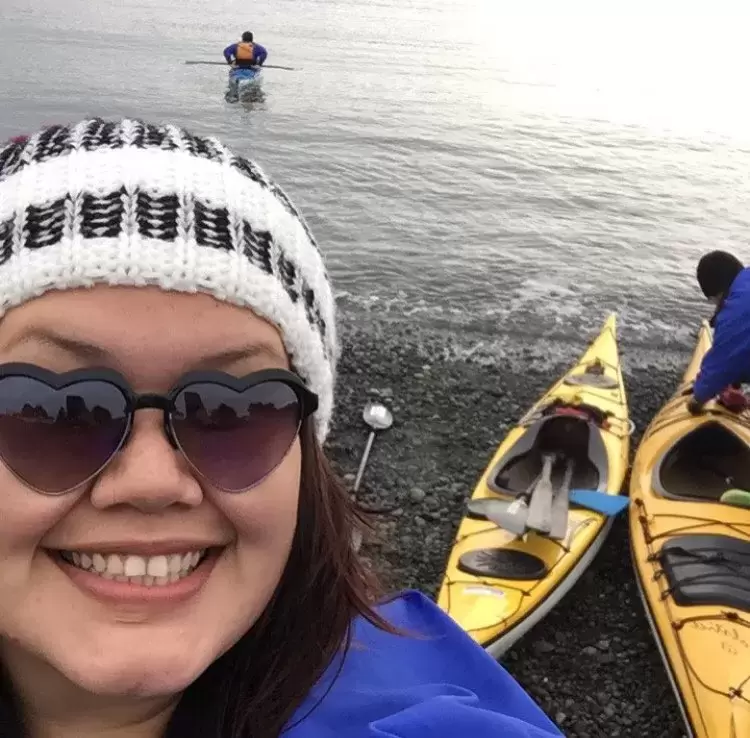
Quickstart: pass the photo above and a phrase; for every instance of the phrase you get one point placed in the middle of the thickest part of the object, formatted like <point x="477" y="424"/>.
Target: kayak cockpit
<point x="703" y="465"/>
<point x="575" y="438"/>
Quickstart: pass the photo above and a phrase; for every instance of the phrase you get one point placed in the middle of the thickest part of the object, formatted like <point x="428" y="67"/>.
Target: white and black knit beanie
<point x="129" y="203"/>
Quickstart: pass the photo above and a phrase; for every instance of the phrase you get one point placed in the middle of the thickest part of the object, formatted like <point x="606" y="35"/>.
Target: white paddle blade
<point x="510" y="516"/>
<point x="561" y="506"/>
<point x="540" y="507"/>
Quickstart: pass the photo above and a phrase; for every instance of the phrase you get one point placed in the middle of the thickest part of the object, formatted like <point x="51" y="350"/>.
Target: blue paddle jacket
<point x="259" y="52"/>
<point x="436" y="683"/>
<point x="728" y="360"/>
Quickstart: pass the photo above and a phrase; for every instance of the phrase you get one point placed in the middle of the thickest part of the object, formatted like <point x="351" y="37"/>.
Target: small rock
<point x="417" y="495"/>
<point x="603" y="644"/>
<point x="590" y="651"/>
<point x="560" y="717"/>
<point x="420" y="522"/>
<point x="543" y="647"/>
<point x="349" y="477"/>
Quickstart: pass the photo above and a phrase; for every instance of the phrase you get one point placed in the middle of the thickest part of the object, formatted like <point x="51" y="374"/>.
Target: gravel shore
<point x="592" y="663"/>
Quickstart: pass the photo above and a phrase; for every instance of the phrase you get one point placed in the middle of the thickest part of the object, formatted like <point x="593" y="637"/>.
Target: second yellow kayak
<point x="691" y="553"/>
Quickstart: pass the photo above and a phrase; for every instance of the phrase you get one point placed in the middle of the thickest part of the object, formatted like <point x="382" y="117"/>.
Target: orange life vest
<point x="245" y="52"/>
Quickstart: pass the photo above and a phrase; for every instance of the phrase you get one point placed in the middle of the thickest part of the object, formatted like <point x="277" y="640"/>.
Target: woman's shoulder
<point x="435" y="681"/>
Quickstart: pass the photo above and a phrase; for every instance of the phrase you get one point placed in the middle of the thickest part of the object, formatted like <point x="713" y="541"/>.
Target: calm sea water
<point x="500" y="171"/>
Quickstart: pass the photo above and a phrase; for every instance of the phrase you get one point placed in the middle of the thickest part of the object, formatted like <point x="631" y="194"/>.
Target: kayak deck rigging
<point x="707" y="570"/>
<point x="697" y="568"/>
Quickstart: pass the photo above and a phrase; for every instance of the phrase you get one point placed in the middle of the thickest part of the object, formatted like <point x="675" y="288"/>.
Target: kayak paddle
<point x="561" y="505"/>
<point x="505" y="513"/>
<point x="540" y="505"/>
<point x="224" y="64"/>
<point x="600" y="502"/>
<point x="510" y="516"/>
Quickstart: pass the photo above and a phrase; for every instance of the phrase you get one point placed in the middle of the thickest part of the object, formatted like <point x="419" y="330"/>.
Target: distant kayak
<point x="246" y="81"/>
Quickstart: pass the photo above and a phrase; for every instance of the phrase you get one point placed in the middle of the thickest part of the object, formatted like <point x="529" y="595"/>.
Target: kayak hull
<point x="686" y="545"/>
<point x="498" y="607"/>
<point x="243" y="82"/>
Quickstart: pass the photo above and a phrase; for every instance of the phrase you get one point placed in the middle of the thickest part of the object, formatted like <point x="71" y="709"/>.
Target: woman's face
<point x="147" y="500"/>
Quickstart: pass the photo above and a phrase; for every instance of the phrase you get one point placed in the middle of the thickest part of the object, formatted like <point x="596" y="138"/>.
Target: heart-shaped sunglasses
<point x="59" y="431"/>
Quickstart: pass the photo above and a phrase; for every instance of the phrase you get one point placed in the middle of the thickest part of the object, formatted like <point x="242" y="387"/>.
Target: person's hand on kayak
<point x="694" y="407"/>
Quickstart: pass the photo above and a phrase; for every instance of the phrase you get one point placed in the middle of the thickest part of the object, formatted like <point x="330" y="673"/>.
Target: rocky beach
<point x="592" y="663"/>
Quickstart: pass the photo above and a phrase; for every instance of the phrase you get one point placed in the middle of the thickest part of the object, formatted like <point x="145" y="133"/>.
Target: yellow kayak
<point x="692" y="555"/>
<point x="501" y="577"/>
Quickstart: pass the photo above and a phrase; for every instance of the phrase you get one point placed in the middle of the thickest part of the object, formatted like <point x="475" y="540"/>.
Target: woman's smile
<point x="126" y="576"/>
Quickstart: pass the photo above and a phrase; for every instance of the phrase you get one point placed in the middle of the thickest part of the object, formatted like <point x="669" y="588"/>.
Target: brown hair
<point x="256" y="687"/>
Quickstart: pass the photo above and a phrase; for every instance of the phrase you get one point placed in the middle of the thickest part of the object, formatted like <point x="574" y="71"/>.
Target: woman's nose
<point x="148" y="472"/>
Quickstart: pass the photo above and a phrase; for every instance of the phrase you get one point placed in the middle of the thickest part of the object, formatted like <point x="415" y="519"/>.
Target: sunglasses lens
<point x="234" y="439"/>
<point x="56" y="439"/>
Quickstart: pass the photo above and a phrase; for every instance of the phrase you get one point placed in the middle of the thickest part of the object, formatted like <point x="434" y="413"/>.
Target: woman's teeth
<point x="151" y="571"/>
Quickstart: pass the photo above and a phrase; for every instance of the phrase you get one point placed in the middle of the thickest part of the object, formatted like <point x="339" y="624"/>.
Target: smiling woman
<point x="175" y="553"/>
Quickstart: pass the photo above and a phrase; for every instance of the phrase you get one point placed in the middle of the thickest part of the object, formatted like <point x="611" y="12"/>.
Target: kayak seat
<point x="703" y="465"/>
<point x="502" y="563"/>
<point x="573" y="437"/>
<point x="708" y="570"/>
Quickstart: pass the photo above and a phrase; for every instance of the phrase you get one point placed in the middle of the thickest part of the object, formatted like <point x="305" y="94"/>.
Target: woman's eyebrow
<point x="93" y="352"/>
<point x="51" y="339"/>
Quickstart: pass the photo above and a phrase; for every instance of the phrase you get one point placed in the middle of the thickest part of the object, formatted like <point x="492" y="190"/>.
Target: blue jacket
<point x="259" y="53"/>
<point x="728" y="359"/>
<point x="443" y="685"/>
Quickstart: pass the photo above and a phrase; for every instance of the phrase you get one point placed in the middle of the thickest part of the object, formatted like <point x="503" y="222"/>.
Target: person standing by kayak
<point x="245" y="54"/>
<point x="725" y="281"/>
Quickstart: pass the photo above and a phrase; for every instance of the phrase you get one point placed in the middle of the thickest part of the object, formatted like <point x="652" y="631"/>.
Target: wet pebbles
<point x="592" y="664"/>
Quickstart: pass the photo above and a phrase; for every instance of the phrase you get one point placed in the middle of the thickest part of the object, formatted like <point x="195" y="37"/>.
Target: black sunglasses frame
<point x="308" y="403"/>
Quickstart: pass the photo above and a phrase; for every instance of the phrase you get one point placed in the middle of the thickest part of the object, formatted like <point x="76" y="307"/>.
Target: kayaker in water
<point x="246" y="53"/>
<point x="725" y="281"/>
<point x="188" y="571"/>
<point x="243" y="55"/>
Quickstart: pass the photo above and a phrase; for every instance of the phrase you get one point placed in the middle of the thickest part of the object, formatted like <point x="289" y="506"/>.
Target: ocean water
<point x="502" y="173"/>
